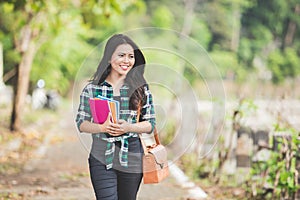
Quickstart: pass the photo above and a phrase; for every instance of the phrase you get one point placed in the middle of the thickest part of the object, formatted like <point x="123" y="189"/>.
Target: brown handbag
<point x="155" y="161"/>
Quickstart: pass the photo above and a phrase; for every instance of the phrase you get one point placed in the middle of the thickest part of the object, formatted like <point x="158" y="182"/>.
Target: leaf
<point x="290" y="182"/>
<point x="8" y="7"/>
<point x="116" y="6"/>
<point x="284" y="177"/>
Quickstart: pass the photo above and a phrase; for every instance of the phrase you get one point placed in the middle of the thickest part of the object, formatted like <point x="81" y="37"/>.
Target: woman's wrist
<point x="100" y="128"/>
<point x="130" y="128"/>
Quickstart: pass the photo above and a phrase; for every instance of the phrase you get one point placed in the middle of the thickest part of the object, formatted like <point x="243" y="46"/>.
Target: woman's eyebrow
<point x="123" y="52"/>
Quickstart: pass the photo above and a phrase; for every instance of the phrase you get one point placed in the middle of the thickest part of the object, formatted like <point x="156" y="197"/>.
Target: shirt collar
<point x="105" y="83"/>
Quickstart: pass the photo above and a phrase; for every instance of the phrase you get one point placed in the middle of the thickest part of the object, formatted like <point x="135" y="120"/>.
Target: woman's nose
<point x="126" y="59"/>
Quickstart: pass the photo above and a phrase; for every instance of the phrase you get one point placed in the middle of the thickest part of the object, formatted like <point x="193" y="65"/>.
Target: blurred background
<point x="244" y="142"/>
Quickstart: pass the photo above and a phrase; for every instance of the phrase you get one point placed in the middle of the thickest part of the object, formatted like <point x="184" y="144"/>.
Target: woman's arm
<point x="89" y="127"/>
<point x="115" y="129"/>
<point x="147" y="123"/>
<point x="141" y="127"/>
<point x="147" y="111"/>
<point x="84" y="118"/>
<point x="125" y="127"/>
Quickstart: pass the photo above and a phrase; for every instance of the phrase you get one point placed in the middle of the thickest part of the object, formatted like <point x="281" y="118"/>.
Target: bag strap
<point x="155" y="131"/>
<point x="137" y="120"/>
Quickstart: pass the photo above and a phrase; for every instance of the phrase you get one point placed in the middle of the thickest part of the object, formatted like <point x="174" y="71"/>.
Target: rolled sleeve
<point x="148" y="113"/>
<point x="84" y="112"/>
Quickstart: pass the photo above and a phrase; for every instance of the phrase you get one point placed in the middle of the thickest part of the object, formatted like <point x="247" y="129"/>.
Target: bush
<point x="283" y="65"/>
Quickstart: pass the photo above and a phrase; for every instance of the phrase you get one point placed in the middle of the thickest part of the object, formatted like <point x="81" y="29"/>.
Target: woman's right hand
<point x="106" y="126"/>
<point x="113" y="129"/>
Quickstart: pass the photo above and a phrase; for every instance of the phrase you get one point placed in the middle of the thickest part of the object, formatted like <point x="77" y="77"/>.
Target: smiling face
<point x="122" y="60"/>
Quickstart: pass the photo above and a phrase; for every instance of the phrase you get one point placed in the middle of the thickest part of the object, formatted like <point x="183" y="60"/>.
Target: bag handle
<point x="157" y="141"/>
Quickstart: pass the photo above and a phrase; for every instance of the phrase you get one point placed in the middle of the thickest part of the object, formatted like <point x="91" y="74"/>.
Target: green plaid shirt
<point x="106" y="90"/>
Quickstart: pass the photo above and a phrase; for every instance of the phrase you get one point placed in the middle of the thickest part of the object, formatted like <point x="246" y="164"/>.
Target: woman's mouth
<point x="124" y="67"/>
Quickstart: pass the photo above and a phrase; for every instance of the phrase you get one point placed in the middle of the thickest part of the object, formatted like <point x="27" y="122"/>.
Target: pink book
<point x="99" y="110"/>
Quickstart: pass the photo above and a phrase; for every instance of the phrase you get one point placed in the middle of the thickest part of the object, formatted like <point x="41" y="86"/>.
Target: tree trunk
<point x="1" y="66"/>
<point x="27" y="47"/>
<point x="185" y="32"/>
<point x="183" y="139"/>
<point x="291" y="30"/>
<point x="236" y="20"/>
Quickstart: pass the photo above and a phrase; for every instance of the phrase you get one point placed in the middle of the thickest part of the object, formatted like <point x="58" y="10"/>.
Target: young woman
<point x="115" y="159"/>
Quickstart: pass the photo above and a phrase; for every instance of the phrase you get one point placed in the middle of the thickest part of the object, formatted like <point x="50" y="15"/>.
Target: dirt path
<point x="59" y="170"/>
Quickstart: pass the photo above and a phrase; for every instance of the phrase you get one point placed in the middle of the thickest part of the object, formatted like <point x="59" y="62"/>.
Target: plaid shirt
<point x="106" y="90"/>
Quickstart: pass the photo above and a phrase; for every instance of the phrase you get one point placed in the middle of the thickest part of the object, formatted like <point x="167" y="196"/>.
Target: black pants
<point x="117" y="183"/>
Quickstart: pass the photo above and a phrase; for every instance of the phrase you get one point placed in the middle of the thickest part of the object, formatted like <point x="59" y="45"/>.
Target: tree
<point x="25" y="31"/>
<point x="269" y="28"/>
<point x="35" y="22"/>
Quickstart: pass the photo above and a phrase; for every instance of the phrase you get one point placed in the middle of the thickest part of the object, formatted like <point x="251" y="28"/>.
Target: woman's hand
<point x="115" y="129"/>
<point x="124" y="126"/>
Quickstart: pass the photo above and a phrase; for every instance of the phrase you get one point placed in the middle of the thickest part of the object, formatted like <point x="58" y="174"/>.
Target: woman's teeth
<point x="124" y="67"/>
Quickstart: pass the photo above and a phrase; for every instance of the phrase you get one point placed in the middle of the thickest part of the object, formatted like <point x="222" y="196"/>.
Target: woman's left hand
<point x="124" y="126"/>
<point x="120" y="128"/>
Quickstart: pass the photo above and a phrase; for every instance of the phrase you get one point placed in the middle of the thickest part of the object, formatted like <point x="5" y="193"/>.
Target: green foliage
<point x="259" y="28"/>
<point x="280" y="171"/>
<point x="63" y="31"/>
<point x="201" y="33"/>
<point x="262" y="35"/>
<point x="284" y="64"/>
<point x="265" y="27"/>
<point x="58" y="60"/>
<point x="194" y="167"/>
<point x="218" y="23"/>
<point x="228" y="65"/>
<point x="245" y="52"/>
<point x="108" y="17"/>
<point x="170" y="130"/>
<point x="247" y="107"/>
<point x="275" y="178"/>
<point x="276" y="65"/>
<point x="191" y="74"/>
<point x="162" y="17"/>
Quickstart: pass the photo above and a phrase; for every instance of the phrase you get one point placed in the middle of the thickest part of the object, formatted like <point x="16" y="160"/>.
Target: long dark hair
<point x="135" y="77"/>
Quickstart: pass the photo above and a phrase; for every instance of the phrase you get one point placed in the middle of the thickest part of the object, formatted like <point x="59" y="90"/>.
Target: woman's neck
<point x="116" y="82"/>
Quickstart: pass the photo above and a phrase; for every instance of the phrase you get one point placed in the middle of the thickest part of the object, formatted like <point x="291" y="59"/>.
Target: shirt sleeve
<point x="84" y="112"/>
<point x="148" y="113"/>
